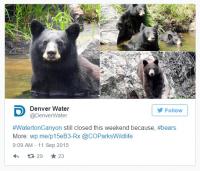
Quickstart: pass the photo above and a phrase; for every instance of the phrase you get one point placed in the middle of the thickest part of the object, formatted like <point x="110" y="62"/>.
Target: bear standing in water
<point x="57" y="70"/>
<point x="151" y="77"/>
<point x="145" y="40"/>
<point x="130" y="21"/>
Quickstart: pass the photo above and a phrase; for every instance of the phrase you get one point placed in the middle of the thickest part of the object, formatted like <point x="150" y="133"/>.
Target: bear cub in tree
<point x="58" y="72"/>
<point x="151" y="77"/>
<point x="145" y="40"/>
<point x="130" y="21"/>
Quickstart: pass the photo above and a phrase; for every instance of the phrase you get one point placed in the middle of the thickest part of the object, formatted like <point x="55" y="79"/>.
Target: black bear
<point x="151" y="77"/>
<point x="170" y="37"/>
<point x="130" y="21"/>
<point x="145" y="40"/>
<point x="58" y="72"/>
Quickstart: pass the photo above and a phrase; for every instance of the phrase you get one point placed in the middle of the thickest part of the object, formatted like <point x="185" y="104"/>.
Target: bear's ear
<point x="145" y="63"/>
<point x="142" y="26"/>
<point x="170" y="36"/>
<point x="134" y="5"/>
<point x="156" y="62"/>
<point x="36" y="28"/>
<point x="73" y="31"/>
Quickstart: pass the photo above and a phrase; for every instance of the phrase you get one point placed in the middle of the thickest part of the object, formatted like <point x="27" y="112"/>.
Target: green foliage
<point x="148" y="19"/>
<point x="98" y="12"/>
<point x="18" y="23"/>
<point x="118" y="8"/>
<point x="164" y="14"/>
<point x="62" y="19"/>
<point x="14" y="33"/>
<point x="92" y="12"/>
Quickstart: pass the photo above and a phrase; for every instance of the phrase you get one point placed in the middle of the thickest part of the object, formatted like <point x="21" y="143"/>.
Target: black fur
<point x="64" y="78"/>
<point x="140" y="42"/>
<point x="130" y="21"/>
<point x="172" y="38"/>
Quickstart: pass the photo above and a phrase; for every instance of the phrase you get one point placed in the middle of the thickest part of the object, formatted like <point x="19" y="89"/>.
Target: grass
<point x="165" y="14"/>
<point x="118" y="8"/>
<point x="18" y="23"/>
<point x="92" y="12"/>
<point x="149" y="20"/>
<point x="19" y="16"/>
<point x="178" y="12"/>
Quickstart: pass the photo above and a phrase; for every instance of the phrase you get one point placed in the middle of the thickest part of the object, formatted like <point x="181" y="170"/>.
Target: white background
<point x="194" y="167"/>
<point x="146" y="147"/>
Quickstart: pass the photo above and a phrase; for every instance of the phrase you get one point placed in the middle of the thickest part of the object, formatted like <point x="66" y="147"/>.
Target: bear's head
<point x="149" y="33"/>
<point x="137" y="9"/>
<point x="173" y="38"/>
<point x="151" y="68"/>
<point x="53" y="45"/>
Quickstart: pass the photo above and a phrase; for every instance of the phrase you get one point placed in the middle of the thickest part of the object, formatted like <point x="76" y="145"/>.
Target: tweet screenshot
<point x="94" y="84"/>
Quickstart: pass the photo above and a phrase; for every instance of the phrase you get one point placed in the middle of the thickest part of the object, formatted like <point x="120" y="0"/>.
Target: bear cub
<point x="170" y="37"/>
<point x="130" y="21"/>
<point x="145" y="40"/>
<point x="151" y="77"/>
<point x="58" y="72"/>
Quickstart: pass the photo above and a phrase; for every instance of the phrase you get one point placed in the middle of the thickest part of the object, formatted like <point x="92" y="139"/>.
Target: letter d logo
<point x="19" y="110"/>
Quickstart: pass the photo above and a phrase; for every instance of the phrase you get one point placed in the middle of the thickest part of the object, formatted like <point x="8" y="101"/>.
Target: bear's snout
<point x="51" y="53"/>
<point x="151" y="72"/>
<point x="178" y="42"/>
<point x="141" y="12"/>
<point x="151" y="38"/>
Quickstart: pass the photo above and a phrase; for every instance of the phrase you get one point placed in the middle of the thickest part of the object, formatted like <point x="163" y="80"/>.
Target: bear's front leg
<point x="148" y="89"/>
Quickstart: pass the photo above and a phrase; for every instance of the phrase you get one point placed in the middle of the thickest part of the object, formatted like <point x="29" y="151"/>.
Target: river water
<point x="17" y="76"/>
<point x="188" y="44"/>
